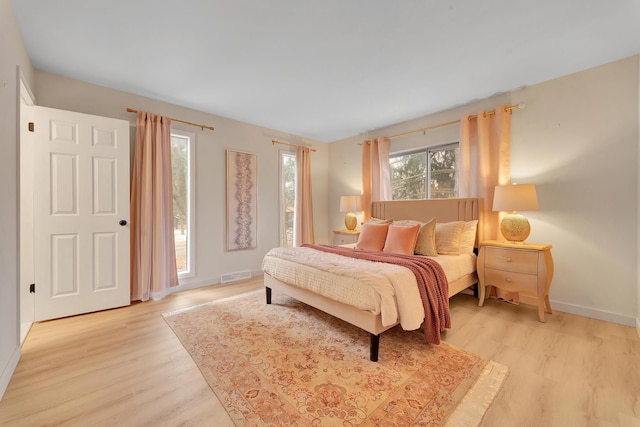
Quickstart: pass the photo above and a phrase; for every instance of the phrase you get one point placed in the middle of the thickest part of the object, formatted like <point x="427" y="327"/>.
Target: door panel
<point x="81" y="195"/>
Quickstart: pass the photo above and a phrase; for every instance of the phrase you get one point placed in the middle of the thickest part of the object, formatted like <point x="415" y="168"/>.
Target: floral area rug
<point x="288" y="364"/>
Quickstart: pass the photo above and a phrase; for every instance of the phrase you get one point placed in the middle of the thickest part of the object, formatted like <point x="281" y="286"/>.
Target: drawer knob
<point x="509" y="259"/>
<point x="508" y="279"/>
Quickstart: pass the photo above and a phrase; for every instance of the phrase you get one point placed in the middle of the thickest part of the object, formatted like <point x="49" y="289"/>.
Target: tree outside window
<point x="287" y="197"/>
<point x="428" y="173"/>
<point x="182" y="180"/>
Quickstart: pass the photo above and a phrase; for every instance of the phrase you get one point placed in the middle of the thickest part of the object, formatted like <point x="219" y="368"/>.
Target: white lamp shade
<point x="515" y="197"/>
<point x="350" y="203"/>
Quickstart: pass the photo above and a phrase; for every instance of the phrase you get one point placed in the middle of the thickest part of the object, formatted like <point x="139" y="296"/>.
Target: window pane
<point x="443" y="183"/>
<point x="288" y="197"/>
<point x="408" y="176"/>
<point x="180" y="170"/>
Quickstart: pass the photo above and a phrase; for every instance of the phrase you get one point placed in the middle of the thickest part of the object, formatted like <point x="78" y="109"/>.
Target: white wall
<point x="212" y="259"/>
<point x="638" y="272"/>
<point x="12" y="55"/>
<point x="577" y="140"/>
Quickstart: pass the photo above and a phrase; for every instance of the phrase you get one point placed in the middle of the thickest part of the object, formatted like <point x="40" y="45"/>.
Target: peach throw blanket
<point x="432" y="284"/>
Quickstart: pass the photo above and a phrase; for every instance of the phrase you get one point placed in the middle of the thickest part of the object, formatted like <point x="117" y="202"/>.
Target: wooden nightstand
<point x="344" y="237"/>
<point x="524" y="268"/>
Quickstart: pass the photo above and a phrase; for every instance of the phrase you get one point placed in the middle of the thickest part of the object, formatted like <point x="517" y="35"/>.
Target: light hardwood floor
<point x="125" y="367"/>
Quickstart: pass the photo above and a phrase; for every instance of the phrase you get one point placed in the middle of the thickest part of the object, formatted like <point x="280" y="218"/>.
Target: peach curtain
<point x="303" y="222"/>
<point x="376" y="176"/>
<point x="153" y="254"/>
<point x="485" y="162"/>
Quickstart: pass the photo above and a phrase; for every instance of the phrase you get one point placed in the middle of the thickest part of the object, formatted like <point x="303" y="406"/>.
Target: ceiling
<point x="325" y="69"/>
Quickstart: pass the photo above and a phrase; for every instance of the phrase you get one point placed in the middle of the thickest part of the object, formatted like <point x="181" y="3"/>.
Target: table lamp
<point x="515" y="197"/>
<point x="350" y="204"/>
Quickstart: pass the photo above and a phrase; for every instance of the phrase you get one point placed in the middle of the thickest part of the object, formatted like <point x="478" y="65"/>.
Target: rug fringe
<point x="476" y="402"/>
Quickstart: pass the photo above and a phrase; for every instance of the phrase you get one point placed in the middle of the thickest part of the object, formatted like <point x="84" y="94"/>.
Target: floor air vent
<point x="232" y="277"/>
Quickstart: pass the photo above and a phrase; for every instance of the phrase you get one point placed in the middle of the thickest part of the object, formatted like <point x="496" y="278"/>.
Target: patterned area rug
<point x="290" y="364"/>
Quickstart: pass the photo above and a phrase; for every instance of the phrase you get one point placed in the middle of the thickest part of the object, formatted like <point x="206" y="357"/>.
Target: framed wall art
<point x="242" y="200"/>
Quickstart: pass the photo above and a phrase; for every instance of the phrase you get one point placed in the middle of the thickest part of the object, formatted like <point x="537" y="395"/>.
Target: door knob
<point x="123" y="222"/>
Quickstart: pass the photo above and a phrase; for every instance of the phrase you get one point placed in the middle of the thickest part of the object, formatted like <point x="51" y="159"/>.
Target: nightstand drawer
<point x="511" y="281"/>
<point x="341" y="239"/>
<point x="344" y="237"/>
<point x="520" y="261"/>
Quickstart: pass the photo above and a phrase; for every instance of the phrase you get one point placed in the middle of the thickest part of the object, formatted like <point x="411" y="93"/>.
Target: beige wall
<point x="577" y="140"/>
<point x="212" y="259"/>
<point x="13" y="54"/>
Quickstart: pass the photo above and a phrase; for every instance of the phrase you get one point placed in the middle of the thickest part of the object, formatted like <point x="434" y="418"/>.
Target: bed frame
<point x="444" y="210"/>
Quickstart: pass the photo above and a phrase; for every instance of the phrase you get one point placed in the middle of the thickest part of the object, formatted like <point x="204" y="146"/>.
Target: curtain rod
<point x="274" y="142"/>
<point x="453" y="122"/>
<point x="202" y="127"/>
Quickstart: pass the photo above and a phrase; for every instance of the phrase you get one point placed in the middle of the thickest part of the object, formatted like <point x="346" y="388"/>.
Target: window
<point x="183" y="175"/>
<point x="427" y="173"/>
<point x="287" y="197"/>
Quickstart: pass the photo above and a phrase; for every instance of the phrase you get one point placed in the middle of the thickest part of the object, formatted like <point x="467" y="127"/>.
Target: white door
<point x="81" y="213"/>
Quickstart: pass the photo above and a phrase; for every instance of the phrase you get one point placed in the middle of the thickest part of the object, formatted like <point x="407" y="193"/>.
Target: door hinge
<point x="32" y="288"/>
<point x="31" y="126"/>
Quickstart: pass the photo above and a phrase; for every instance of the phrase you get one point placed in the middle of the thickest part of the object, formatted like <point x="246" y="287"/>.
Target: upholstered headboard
<point x="444" y="210"/>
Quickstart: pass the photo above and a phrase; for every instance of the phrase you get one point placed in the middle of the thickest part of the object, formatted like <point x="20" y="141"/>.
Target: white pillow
<point x="448" y="235"/>
<point x="468" y="237"/>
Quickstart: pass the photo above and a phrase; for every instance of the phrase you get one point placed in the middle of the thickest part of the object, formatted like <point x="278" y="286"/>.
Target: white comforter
<point x="381" y="288"/>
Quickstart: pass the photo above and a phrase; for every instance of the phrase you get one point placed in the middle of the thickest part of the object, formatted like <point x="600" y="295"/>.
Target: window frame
<point x="191" y="202"/>
<point x="427" y="150"/>
<point x="281" y="213"/>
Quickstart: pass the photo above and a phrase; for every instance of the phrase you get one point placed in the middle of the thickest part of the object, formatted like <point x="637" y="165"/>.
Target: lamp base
<point x="350" y="221"/>
<point x="515" y="227"/>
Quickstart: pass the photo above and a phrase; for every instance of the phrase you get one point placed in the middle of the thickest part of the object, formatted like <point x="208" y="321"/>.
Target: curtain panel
<point x="303" y="216"/>
<point x="153" y="255"/>
<point x="376" y="175"/>
<point x="485" y="150"/>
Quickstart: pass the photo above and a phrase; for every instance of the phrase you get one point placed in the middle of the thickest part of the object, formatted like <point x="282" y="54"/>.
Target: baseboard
<point x="24" y="331"/>
<point x="8" y="370"/>
<point x="189" y="284"/>
<point x="593" y="313"/>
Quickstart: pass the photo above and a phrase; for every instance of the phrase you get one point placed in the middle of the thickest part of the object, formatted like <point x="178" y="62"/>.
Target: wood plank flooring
<point x="125" y="367"/>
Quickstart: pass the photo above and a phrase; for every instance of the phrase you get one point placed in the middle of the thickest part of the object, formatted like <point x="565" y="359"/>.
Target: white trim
<point x="26" y="97"/>
<point x="8" y="371"/>
<point x="25" y="91"/>
<point x="594" y="313"/>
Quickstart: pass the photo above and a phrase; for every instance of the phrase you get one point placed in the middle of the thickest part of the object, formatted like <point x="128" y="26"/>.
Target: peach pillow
<point x="372" y="237"/>
<point x="401" y="239"/>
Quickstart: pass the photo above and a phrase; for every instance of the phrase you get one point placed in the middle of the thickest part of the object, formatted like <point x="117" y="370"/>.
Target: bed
<point x="466" y="210"/>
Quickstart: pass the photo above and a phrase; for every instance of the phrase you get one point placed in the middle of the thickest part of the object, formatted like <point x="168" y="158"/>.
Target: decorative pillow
<point x="401" y="239"/>
<point x="378" y="221"/>
<point x="426" y="242"/>
<point x="448" y="236"/>
<point x="468" y="238"/>
<point x="372" y="237"/>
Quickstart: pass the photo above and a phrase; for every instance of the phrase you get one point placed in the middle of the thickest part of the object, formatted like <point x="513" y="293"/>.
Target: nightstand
<point x="525" y="268"/>
<point x="344" y="237"/>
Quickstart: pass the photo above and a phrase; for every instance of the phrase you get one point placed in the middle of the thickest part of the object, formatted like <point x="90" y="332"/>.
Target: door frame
<point x="26" y="300"/>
